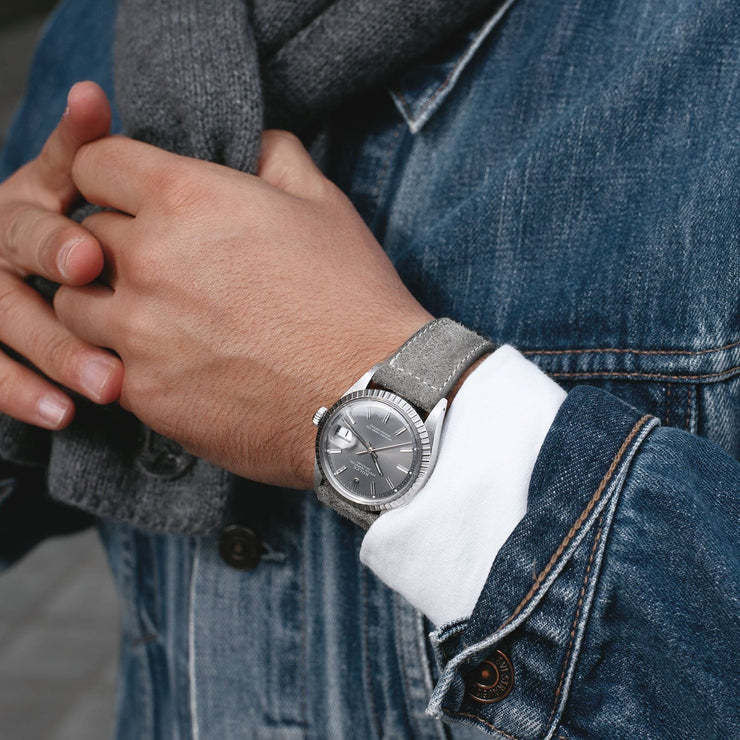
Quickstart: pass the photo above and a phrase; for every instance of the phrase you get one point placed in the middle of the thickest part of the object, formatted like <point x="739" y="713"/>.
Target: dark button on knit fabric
<point x="492" y="680"/>
<point x="240" y="547"/>
<point x="163" y="458"/>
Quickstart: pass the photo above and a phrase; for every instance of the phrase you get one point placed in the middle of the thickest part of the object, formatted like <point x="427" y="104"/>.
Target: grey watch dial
<point x="372" y="446"/>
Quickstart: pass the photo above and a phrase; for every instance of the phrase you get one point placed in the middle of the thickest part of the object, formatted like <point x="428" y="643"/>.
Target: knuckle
<point x="10" y="380"/>
<point x="326" y="191"/>
<point x="278" y="137"/>
<point x="15" y="227"/>
<point x="8" y="302"/>
<point x="178" y="191"/>
<point x="81" y="158"/>
<point x="135" y="336"/>
<point x="141" y="265"/>
<point x="58" y="352"/>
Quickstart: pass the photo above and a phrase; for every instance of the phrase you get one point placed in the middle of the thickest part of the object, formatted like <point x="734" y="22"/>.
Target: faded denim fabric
<point x="563" y="178"/>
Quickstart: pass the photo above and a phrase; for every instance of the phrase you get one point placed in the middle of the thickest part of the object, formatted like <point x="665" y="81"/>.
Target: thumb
<point x="87" y="117"/>
<point x="285" y="164"/>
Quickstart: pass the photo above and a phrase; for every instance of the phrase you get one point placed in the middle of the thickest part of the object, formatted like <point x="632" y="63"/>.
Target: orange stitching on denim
<point x="668" y="404"/>
<point x="581" y="597"/>
<point x="579" y="522"/>
<point x="630" y="351"/>
<point x="654" y="376"/>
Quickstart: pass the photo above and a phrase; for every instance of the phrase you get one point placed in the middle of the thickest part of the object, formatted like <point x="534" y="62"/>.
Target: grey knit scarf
<point x="202" y="79"/>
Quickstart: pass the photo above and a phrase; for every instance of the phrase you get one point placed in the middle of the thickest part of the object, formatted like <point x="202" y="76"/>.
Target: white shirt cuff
<point x="438" y="550"/>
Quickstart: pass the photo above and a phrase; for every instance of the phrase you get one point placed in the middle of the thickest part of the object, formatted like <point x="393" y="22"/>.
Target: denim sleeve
<point x="612" y="610"/>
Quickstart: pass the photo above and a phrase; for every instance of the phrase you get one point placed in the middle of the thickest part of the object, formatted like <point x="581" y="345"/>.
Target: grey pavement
<point x="58" y="610"/>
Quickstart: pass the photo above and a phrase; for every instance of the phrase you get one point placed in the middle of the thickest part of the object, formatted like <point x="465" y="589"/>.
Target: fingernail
<point x="64" y="254"/>
<point x="95" y="376"/>
<point x="52" y="409"/>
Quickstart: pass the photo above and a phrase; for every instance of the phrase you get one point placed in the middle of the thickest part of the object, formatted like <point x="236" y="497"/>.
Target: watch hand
<point x="364" y="444"/>
<point x="380" y="449"/>
<point x="377" y="465"/>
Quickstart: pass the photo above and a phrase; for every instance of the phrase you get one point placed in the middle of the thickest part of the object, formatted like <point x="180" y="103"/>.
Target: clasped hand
<point x="237" y="304"/>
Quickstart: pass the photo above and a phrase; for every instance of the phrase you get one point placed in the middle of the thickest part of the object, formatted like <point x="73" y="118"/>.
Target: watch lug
<point x="433" y="424"/>
<point x="362" y="383"/>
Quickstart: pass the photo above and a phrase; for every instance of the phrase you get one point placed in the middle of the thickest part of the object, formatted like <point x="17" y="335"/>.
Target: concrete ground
<point x="58" y="611"/>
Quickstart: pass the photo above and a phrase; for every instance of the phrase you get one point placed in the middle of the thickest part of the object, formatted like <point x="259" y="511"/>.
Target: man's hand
<point x="37" y="239"/>
<point x="238" y="304"/>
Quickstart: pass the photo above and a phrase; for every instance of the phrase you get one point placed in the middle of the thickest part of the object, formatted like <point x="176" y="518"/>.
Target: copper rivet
<point x="492" y="680"/>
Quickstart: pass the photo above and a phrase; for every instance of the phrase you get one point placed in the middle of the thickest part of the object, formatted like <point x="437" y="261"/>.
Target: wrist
<point x="348" y="364"/>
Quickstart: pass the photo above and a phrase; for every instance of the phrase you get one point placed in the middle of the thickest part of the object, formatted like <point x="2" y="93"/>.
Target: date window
<point x="343" y="437"/>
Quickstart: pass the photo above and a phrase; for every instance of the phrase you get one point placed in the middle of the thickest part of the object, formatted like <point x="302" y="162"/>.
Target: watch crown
<point x="319" y="415"/>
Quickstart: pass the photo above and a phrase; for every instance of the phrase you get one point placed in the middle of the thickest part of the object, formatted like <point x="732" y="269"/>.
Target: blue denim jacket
<point x="563" y="178"/>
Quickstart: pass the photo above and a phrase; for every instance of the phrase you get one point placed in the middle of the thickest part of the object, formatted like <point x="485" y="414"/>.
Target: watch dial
<point x="370" y="450"/>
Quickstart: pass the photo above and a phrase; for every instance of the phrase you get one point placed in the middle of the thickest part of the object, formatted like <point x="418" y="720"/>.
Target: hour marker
<point x="403" y="449"/>
<point x="402" y="469"/>
<point x="336" y="452"/>
<point x="400" y="431"/>
<point x="372" y="487"/>
<point x="367" y="412"/>
<point x="349" y="416"/>
<point x="341" y="470"/>
<point x="386" y="417"/>
<point x="389" y="481"/>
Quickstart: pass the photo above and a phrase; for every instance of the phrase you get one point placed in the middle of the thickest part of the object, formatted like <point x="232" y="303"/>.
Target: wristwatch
<point x="377" y="445"/>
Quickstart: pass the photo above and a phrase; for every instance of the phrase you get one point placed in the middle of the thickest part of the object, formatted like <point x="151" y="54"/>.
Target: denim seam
<point x="615" y="350"/>
<point x="397" y="624"/>
<point x="384" y="172"/>
<point x="581" y="597"/>
<point x="374" y="717"/>
<point x="579" y="522"/>
<point x="640" y="430"/>
<point x="416" y="122"/>
<point x="720" y="375"/>
<point x="193" y="703"/>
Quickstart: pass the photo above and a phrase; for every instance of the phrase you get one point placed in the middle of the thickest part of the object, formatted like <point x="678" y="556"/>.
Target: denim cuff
<point x="508" y="667"/>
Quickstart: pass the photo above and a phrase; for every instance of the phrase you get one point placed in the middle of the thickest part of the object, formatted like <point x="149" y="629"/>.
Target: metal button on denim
<point x="240" y="547"/>
<point x="492" y="680"/>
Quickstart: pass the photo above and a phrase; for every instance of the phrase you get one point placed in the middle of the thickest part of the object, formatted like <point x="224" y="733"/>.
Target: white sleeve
<point x="437" y="551"/>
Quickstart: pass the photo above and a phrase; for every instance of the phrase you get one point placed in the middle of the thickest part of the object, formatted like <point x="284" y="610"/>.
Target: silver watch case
<point x="429" y="431"/>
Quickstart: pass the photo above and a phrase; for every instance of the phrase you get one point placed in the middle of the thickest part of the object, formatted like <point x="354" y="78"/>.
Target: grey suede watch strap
<point x="361" y="517"/>
<point x="423" y="371"/>
<point x="428" y="365"/>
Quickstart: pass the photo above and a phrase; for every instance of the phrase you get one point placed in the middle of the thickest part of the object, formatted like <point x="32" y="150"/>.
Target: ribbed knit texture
<point x="200" y="79"/>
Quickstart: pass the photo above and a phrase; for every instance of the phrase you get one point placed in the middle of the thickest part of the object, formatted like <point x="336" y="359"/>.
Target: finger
<point x="86" y="118"/>
<point x="40" y="242"/>
<point x="121" y="173"/>
<point x="88" y="312"/>
<point x="285" y="164"/>
<point x="31" y="399"/>
<point x="112" y="231"/>
<point x="28" y="325"/>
